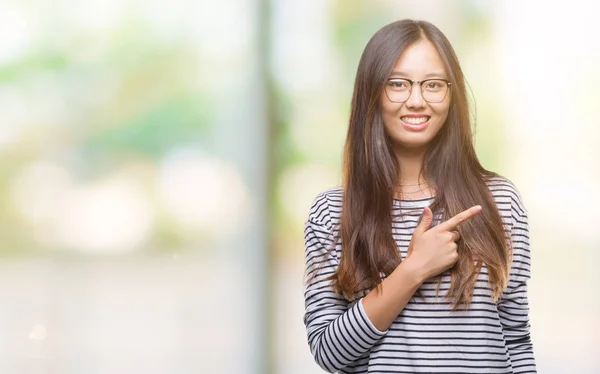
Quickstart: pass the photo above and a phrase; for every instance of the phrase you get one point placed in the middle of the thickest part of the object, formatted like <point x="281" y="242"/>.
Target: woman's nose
<point x="415" y="100"/>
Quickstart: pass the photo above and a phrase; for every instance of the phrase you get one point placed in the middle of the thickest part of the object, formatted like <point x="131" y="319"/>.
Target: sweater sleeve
<point x="338" y="332"/>
<point x="513" y="307"/>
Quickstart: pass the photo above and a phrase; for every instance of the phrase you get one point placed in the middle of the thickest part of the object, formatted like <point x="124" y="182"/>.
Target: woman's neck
<point x="412" y="184"/>
<point x="411" y="167"/>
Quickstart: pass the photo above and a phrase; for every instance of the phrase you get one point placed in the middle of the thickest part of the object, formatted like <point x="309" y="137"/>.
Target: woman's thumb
<point x="426" y="220"/>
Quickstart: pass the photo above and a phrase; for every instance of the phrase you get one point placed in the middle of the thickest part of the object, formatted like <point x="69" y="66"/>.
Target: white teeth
<point x="414" y="120"/>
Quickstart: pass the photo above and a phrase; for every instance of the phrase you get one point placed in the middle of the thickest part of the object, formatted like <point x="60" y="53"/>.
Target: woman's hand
<point x="433" y="250"/>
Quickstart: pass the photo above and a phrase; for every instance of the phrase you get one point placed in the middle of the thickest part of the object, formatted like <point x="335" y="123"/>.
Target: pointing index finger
<point x="460" y="218"/>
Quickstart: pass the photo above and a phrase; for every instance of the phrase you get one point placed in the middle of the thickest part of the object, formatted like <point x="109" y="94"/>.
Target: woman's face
<point x="412" y="124"/>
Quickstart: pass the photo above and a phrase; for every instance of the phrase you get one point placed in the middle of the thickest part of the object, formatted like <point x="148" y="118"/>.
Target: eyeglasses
<point x="398" y="90"/>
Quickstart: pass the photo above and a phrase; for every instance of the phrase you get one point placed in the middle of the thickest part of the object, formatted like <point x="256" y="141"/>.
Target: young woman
<point x="419" y="263"/>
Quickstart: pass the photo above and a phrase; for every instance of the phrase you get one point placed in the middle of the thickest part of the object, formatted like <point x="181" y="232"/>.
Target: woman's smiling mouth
<point x="415" y="123"/>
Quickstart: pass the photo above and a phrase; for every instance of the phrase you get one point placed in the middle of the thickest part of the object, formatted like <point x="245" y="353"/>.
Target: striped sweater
<point x="427" y="336"/>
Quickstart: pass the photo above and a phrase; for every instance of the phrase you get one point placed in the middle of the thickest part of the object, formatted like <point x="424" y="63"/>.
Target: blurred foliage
<point x="126" y="97"/>
<point x="151" y="132"/>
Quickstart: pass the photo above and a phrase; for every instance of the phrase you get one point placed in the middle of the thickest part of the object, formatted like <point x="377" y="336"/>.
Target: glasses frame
<point x="412" y="82"/>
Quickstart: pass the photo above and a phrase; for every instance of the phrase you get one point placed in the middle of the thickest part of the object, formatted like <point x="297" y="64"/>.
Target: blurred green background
<point x="158" y="160"/>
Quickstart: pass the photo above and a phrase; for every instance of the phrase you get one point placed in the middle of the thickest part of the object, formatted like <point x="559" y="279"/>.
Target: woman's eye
<point x="398" y="84"/>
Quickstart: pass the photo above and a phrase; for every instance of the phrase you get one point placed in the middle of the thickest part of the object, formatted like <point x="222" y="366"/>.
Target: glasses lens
<point x="398" y="90"/>
<point x="434" y="90"/>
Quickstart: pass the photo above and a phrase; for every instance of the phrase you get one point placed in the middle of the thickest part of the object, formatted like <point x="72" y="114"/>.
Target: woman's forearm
<point x="384" y="303"/>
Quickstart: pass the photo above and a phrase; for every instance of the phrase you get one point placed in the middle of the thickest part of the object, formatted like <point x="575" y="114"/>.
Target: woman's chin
<point x="415" y="142"/>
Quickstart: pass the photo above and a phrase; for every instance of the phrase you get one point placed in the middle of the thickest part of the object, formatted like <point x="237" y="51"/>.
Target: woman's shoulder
<point x="327" y="207"/>
<point x="505" y="191"/>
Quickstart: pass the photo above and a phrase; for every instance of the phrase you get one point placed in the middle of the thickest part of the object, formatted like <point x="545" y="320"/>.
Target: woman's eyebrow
<point x="401" y="74"/>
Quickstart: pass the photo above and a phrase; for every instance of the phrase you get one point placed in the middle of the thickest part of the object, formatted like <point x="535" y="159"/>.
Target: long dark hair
<point x="371" y="172"/>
